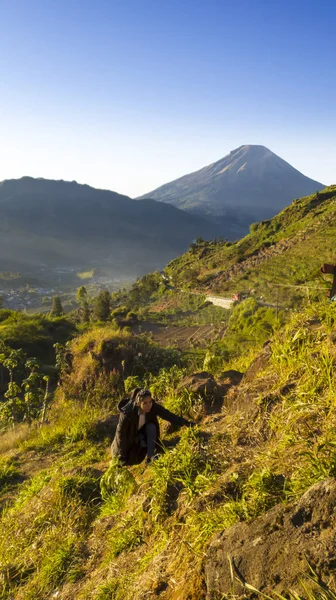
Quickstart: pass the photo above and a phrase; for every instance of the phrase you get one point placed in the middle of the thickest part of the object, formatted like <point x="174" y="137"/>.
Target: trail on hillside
<point x="265" y="253"/>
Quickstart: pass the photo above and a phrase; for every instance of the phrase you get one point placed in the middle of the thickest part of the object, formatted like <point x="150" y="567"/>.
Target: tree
<point x="1" y="301"/>
<point x="13" y="409"/>
<point x="57" y="308"/>
<point x="81" y="295"/>
<point x="102" y="306"/>
<point x="82" y="299"/>
<point x="33" y="393"/>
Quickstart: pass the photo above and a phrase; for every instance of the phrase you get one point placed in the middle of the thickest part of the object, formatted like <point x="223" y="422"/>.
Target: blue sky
<point x="130" y="94"/>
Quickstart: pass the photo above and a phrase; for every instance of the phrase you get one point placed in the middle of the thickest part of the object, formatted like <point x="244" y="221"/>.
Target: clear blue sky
<point x="130" y="94"/>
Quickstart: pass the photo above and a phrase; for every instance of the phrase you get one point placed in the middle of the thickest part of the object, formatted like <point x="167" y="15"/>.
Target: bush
<point x="116" y="486"/>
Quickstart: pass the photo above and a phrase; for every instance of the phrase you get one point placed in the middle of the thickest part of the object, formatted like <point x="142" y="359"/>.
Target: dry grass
<point x="272" y="441"/>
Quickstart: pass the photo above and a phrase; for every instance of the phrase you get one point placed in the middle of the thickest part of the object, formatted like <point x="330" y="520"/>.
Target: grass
<point x="71" y="423"/>
<point x="86" y="274"/>
<point x="287" y="250"/>
<point x="133" y="530"/>
<point x="8" y="472"/>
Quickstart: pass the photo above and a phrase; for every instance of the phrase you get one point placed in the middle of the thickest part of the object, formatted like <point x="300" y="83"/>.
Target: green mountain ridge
<point x="280" y="256"/>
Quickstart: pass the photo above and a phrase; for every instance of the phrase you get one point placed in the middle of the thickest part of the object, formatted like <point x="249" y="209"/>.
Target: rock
<point x="233" y="376"/>
<point x="259" y="363"/>
<point x="205" y="386"/>
<point x="271" y="553"/>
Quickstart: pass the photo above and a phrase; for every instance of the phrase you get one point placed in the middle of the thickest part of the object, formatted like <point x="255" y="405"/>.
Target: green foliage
<point x="34" y="334"/>
<point x="56" y="308"/>
<point x="86" y="274"/>
<point x="102" y="306"/>
<point x="24" y="399"/>
<point x="286" y="251"/>
<point x="82" y="299"/>
<point x="213" y="362"/>
<point x="131" y="382"/>
<point x="45" y="550"/>
<point x="263" y="490"/>
<point x="8" y="472"/>
<point x="74" y="423"/>
<point x="184" y="403"/>
<point x="250" y="320"/>
<point x="165" y="382"/>
<point x="127" y="535"/>
<point x="186" y="467"/>
<point x="250" y="325"/>
<point x="274" y="439"/>
<point x="116" y="486"/>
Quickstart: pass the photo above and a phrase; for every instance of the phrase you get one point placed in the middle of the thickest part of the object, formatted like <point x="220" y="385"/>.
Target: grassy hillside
<point x="281" y="256"/>
<point x="241" y="506"/>
<point x="139" y="533"/>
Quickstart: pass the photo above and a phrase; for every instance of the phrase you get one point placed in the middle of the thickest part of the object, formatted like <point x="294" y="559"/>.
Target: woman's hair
<point x="138" y="394"/>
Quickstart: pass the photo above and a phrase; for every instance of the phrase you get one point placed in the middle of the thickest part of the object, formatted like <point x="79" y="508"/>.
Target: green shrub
<point x="187" y="467"/>
<point x="8" y="472"/>
<point x="116" y="486"/>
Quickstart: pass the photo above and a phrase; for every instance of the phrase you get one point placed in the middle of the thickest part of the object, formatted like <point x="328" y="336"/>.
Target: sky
<point x="130" y="94"/>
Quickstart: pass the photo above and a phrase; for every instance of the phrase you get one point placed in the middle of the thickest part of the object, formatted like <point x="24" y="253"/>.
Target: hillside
<point x="59" y="223"/>
<point x="249" y="184"/>
<point x="255" y="478"/>
<point x="279" y="257"/>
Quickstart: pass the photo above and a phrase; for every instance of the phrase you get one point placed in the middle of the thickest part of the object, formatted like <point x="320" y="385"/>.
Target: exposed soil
<point x="273" y="553"/>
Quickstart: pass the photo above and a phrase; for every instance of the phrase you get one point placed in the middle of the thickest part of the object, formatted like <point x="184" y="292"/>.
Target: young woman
<point x="138" y="431"/>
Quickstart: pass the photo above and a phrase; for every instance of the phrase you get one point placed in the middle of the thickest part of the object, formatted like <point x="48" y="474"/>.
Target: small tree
<point x="82" y="299"/>
<point x="57" y="308"/>
<point x="81" y="295"/>
<point x="34" y="394"/>
<point x="102" y="306"/>
<point x="13" y="409"/>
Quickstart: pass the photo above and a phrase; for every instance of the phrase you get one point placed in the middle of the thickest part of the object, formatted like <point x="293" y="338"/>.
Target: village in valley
<point x="34" y="292"/>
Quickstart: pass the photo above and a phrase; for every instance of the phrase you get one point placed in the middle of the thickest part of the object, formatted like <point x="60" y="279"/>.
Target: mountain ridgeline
<point x="52" y="223"/>
<point x="250" y="184"/>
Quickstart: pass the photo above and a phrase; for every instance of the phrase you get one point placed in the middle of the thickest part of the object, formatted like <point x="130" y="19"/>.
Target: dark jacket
<point x="127" y="440"/>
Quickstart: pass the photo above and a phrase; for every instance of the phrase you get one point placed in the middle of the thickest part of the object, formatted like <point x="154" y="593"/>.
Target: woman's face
<point x="146" y="404"/>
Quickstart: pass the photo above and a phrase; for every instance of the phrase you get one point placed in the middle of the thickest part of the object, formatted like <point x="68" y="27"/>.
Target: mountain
<point x="249" y="184"/>
<point x="53" y="223"/>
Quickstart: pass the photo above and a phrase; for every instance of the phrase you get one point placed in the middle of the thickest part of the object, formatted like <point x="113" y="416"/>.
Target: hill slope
<point x="255" y="478"/>
<point x="249" y="184"/>
<point x="286" y="251"/>
<point x="44" y="222"/>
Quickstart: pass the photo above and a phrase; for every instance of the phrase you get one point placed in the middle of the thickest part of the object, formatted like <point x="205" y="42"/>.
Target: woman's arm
<point x="166" y="415"/>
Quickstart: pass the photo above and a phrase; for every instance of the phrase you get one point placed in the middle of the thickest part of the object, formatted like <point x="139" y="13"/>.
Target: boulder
<point x="271" y="553"/>
<point x="205" y="386"/>
<point x="233" y="377"/>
